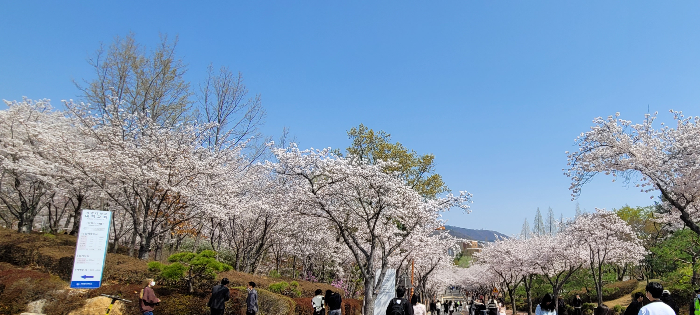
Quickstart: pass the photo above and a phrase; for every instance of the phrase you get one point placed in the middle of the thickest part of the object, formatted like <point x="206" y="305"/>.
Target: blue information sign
<point x="91" y="249"/>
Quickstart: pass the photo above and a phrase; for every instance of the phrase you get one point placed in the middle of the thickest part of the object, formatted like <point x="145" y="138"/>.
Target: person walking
<point x="577" y="303"/>
<point x="547" y="306"/>
<point x="399" y="305"/>
<point x="334" y="302"/>
<point x="147" y="298"/>
<point x="319" y="303"/>
<point x="492" y="306"/>
<point x="666" y="298"/>
<point x="695" y="305"/>
<point x="251" y="301"/>
<point x="219" y="295"/>
<point x="418" y="308"/>
<point x="433" y="305"/>
<point x="438" y="307"/>
<point x="654" y="290"/>
<point x="636" y="305"/>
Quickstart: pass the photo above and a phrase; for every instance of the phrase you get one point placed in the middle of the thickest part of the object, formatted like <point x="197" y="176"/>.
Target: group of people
<point x="658" y="302"/>
<point x="332" y="299"/>
<point x="449" y="307"/>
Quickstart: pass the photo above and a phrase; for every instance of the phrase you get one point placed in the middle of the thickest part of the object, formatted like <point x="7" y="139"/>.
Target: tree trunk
<point x="511" y="293"/>
<point x="145" y="247"/>
<point x="368" y="302"/>
<point x="26" y="222"/>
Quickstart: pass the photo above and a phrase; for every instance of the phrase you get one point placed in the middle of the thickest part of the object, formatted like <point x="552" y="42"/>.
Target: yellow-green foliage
<point x="284" y="288"/>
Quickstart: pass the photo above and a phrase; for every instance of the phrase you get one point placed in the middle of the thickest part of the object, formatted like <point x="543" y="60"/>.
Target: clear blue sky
<point x="497" y="90"/>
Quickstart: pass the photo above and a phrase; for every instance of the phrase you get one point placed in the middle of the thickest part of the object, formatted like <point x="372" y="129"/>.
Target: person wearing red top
<point x="147" y="298"/>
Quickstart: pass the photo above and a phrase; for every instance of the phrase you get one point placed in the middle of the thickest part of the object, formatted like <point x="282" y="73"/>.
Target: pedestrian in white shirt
<point x="418" y="308"/>
<point x="656" y="306"/>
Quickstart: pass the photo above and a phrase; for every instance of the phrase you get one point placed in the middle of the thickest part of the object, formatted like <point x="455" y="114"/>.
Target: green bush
<point x="190" y="267"/>
<point x="286" y="289"/>
<point x="275" y="274"/>
<point x="268" y="303"/>
<point x="618" y="289"/>
<point x="587" y="308"/>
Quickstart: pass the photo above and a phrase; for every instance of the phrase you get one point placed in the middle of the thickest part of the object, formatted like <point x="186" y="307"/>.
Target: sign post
<point x="91" y="249"/>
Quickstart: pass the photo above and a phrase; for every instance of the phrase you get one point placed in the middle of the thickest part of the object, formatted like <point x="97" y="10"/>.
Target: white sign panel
<point x="91" y="249"/>
<point x="387" y="291"/>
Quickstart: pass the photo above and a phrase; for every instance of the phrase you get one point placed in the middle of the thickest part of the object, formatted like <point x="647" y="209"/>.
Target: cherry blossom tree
<point x="29" y="171"/>
<point x="559" y="258"/>
<point x="666" y="160"/>
<point x="605" y="239"/>
<point x="505" y="259"/>
<point x="372" y="212"/>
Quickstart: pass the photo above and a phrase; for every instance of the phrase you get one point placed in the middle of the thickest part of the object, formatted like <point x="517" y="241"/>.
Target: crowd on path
<point x="659" y="303"/>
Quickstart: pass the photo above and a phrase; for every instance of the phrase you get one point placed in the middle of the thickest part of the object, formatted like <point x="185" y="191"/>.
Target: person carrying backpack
<point x="492" y="306"/>
<point x="319" y="303"/>
<point x="399" y="305"/>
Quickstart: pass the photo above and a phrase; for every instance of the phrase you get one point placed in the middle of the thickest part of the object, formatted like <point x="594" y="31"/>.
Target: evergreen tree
<point x="551" y="224"/>
<point x="538" y="226"/>
<point x="578" y="211"/>
<point x="525" y="234"/>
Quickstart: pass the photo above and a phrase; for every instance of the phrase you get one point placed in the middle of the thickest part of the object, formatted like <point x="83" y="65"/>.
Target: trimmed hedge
<point x="54" y="254"/>
<point x="268" y="303"/>
<point x="307" y="288"/>
<point x="617" y="290"/>
<point x="349" y="307"/>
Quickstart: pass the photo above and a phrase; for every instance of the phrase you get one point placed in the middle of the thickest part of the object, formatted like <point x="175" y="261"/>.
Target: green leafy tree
<point x="190" y="267"/>
<point x="418" y="171"/>
<point x="681" y="250"/>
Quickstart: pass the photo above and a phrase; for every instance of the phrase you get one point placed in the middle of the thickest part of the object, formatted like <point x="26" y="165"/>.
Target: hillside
<point x="472" y="234"/>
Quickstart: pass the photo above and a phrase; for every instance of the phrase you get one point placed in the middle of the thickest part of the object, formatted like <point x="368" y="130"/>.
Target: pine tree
<point x="538" y="226"/>
<point x="578" y="211"/>
<point x="551" y="224"/>
<point x="525" y="234"/>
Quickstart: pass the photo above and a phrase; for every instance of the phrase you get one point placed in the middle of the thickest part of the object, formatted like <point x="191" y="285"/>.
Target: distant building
<point x="471" y="247"/>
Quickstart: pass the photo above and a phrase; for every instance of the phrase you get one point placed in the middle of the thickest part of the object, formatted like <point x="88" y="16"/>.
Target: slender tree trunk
<point x="368" y="305"/>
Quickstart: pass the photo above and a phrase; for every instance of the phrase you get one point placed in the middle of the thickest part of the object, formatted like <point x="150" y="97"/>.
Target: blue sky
<point x="497" y="90"/>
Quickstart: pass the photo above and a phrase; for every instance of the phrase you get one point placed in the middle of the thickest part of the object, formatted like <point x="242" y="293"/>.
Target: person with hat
<point x="219" y="295"/>
<point x="695" y="306"/>
<point x="666" y="298"/>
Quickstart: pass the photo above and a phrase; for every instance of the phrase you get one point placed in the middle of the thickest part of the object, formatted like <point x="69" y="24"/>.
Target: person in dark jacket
<point x="251" y="301"/>
<point x="399" y="305"/>
<point x="695" y="305"/>
<point x="219" y="295"/>
<point x="636" y="305"/>
<point x="577" y="303"/>
<point x="666" y="298"/>
<point x="334" y="301"/>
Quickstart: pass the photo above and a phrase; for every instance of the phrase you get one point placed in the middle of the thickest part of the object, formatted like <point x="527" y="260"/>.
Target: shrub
<point x="307" y="288"/>
<point x="587" y="308"/>
<point x="303" y="306"/>
<point x="275" y="274"/>
<point x="287" y="289"/>
<point x="268" y="303"/>
<point x="352" y="307"/>
<point x="18" y="287"/>
<point x="190" y="267"/>
<point x="619" y="289"/>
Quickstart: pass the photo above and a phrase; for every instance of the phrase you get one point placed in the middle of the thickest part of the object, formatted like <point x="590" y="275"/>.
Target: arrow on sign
<point x="85" y="277"/>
